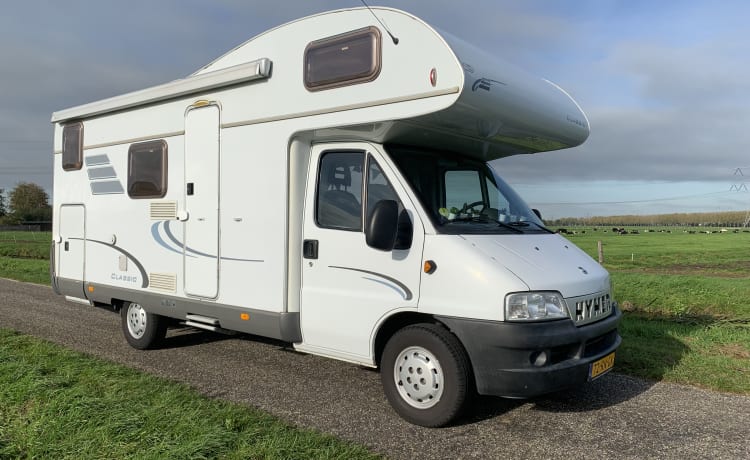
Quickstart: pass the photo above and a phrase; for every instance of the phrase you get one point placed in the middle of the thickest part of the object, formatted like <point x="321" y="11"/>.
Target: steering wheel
<point x="471" y="206"/>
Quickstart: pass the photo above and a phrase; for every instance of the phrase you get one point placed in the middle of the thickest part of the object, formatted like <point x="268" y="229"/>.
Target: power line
<point x="653" y="200"/>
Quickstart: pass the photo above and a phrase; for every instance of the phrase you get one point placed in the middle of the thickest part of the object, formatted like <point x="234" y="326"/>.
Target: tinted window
<point x="463" y="195"/>
<point x="72" y="156"/>
<point x="147" y="170"/>
<point x="345" y="59"/>
<point x="339" y="196"/>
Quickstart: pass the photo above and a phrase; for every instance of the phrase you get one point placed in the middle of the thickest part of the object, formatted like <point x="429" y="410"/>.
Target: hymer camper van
<point x="329" y="183"/>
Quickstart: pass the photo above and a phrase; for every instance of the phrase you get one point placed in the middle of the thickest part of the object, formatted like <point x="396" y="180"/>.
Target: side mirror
<point x="382" y="226"/>
<point x="538" y="214"/>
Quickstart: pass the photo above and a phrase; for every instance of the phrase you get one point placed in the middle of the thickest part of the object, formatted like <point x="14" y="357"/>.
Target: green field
<point x="24" y="256"/>
<point x="685" y="298"/>
<point x="25" y="245"/>
<point x="676" y="274"/>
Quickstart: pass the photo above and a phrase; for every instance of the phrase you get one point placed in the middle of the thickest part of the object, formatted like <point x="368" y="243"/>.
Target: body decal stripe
<point x="179" y="244"/>
<point x="406" y="294"/>
<point x="139" y="266"/>
<point x="157" y="237"/>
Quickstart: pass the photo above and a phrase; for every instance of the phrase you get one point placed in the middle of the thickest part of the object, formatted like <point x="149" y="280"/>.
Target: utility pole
<point x="741" y="187"/>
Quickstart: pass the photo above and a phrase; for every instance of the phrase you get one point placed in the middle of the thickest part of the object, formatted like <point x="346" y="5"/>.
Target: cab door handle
<point x="310" y="249"/>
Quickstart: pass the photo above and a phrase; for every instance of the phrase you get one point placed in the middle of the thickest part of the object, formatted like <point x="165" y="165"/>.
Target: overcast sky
<point x="664" y="83"/>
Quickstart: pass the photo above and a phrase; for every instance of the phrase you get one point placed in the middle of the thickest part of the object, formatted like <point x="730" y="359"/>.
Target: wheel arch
<point x="400" y="320"/>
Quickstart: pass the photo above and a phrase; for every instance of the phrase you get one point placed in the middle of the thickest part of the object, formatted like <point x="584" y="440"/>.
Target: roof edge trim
<point x="259" y="69"/>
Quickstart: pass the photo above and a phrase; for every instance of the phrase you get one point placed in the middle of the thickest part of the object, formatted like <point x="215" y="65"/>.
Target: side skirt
<point x="284" y="326"/>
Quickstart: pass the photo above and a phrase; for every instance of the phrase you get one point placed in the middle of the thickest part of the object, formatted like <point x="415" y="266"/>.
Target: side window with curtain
<point x="339" y="197"/>
<point x="147" y="169"/>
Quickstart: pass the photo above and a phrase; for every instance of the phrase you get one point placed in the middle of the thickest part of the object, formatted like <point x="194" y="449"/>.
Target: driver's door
<point x="347" y="286"/>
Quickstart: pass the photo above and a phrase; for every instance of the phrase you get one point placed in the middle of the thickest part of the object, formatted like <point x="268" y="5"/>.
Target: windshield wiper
<point x="526" y="224"/>
<point x="486" y="220"/>
<point x="482" y="219"/>
<point x="511" y="226"/>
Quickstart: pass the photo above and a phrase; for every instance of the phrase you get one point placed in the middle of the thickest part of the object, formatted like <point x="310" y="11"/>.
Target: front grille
<point x="598" y="345"/>
<point x="591" y="308"/>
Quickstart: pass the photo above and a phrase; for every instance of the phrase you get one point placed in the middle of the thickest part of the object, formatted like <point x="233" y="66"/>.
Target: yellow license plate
<point x="601" y="366"/>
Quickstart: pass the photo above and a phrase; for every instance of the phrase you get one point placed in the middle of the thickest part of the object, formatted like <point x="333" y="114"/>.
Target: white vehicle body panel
<point x="542" y="261"/>
<point x="201" y="240"/>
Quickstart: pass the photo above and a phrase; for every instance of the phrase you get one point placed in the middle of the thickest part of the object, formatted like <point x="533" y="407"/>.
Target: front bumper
<point x="505" y="355"/>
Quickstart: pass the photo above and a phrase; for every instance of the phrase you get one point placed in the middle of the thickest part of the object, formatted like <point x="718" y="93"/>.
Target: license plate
<point x="601" y="366"/>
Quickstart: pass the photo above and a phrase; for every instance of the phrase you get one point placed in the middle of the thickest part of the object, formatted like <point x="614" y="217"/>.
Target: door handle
<point x="310" y="249"/>
<point x="67" y="245"/>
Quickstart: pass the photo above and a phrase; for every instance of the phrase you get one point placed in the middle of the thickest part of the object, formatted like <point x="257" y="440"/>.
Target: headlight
<point x="535" y="306"/>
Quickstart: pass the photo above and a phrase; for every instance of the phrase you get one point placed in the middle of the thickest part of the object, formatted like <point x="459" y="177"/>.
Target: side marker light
<point x="430" y="266"/>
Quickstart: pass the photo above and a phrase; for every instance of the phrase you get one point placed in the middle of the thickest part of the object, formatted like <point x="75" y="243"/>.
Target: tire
<point x="426" y="375"/>
<point x="143" y="330"/>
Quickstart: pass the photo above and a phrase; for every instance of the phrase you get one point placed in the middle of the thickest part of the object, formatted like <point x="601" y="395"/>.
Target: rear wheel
<point x="425" y="375"/>
<point x="142" y="329"/>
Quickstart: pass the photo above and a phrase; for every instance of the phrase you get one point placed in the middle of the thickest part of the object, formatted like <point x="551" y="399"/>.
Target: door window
<point x="339" y="203"/>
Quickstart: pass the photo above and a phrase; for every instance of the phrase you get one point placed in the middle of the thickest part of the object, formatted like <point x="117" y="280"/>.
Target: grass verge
<point x="55" y="403"/>
<point x="701" y="352"/>
<point x="28" y="270"/>
<point x="679" y="296"/>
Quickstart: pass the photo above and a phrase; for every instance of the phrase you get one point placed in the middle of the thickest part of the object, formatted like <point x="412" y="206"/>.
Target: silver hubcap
<point x="136" y="320"/>
<point x="419" y="377"/>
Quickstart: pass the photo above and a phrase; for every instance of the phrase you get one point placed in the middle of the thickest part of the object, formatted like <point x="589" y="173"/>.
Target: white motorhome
<point x="327" y="184"/>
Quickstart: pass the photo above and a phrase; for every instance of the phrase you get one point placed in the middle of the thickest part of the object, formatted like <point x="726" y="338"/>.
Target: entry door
<point x="347" y="286"/>
<point x="72" y="248"/>
<point x="201" y="237"/>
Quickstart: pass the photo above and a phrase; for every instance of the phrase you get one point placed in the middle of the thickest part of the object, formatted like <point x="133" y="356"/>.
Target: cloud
<point x="665" y="92"/>
<point x="665" y="144"/>
<point x="659" y="111"/>
<point x="708" y="74"/>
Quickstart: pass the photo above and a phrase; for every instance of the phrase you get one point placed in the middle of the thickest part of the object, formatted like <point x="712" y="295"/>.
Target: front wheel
<point x="426" y="375"/>
<point x="143" y="330"/>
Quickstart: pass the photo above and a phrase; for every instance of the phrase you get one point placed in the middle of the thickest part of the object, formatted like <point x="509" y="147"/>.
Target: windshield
<point x="463" y="195"/>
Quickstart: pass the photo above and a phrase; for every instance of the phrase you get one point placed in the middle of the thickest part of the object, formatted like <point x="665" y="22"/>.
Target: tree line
<point x="706" y="219"/>
<point x="26" y="202"/>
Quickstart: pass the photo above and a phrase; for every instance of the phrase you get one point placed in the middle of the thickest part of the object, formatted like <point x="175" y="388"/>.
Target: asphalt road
<point x="615" y="416"/>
